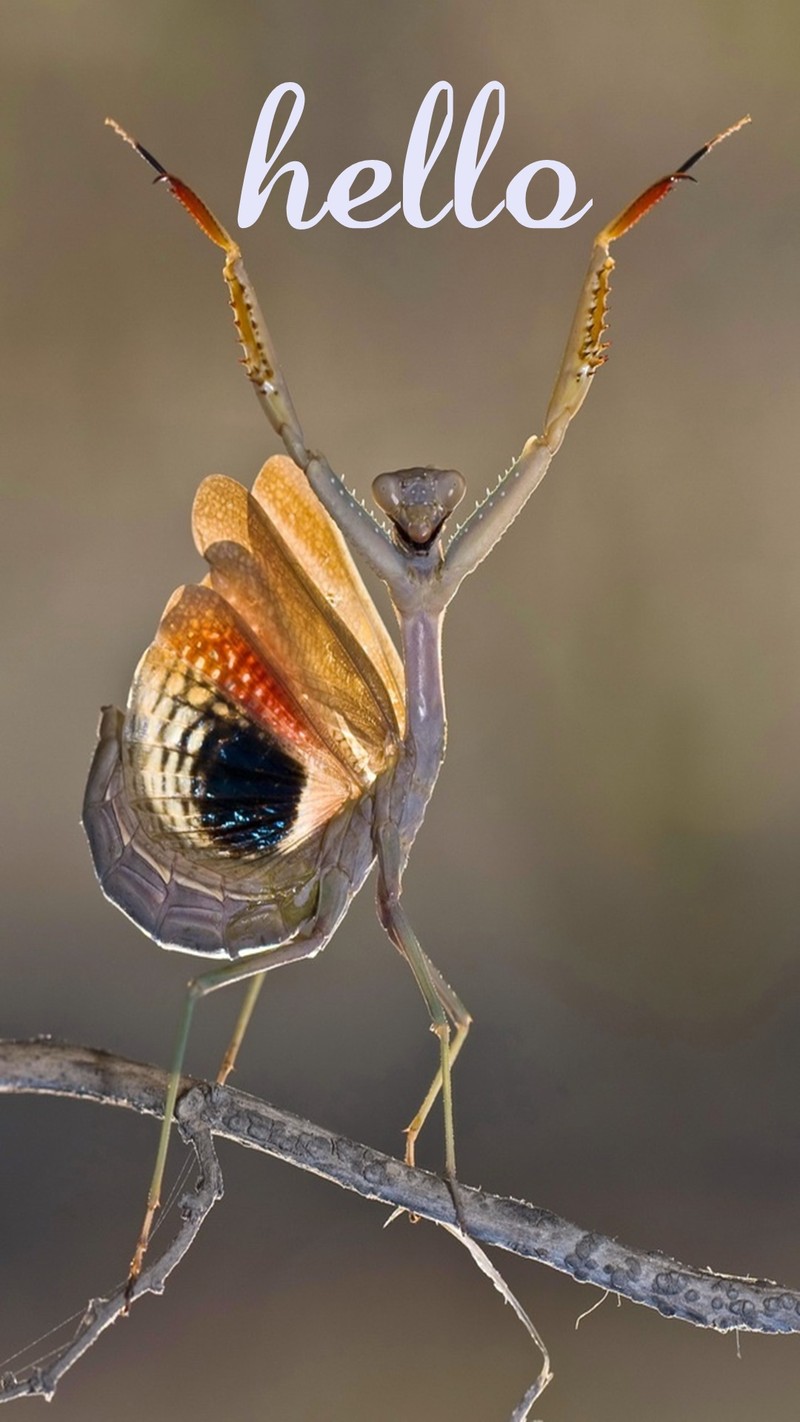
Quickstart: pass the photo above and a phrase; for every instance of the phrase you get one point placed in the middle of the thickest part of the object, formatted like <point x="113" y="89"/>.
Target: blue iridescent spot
<point x="248" y="788"/>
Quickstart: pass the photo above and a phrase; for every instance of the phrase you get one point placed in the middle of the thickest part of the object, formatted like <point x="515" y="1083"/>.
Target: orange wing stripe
<point x="205" y="632"/>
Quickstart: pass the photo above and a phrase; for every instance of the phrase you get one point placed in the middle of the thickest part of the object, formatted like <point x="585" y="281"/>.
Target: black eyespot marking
<point x="248" y="788"/>
<point x="200" y="771"/>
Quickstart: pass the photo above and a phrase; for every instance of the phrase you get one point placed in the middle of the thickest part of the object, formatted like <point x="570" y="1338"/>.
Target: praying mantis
<point x="275" y="746"/>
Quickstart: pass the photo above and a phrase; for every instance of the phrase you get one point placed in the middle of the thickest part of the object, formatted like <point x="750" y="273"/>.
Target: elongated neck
<point x="404" y="795"/>
<point x="425" y="712"/>
<point x="424" y="745"/>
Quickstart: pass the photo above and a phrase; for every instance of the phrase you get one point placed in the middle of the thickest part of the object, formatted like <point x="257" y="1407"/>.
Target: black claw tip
<point x="695" y="158"/>
<point x="154" y="163"/>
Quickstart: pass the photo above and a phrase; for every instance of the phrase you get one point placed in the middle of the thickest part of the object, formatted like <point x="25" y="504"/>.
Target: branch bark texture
<point x="709" y="1300"/>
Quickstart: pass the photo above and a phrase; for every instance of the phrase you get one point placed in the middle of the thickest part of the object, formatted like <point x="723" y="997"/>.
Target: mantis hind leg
<point x="334" y="896"/>
<point x="198" y="988"/>
<point x="228" y="1062"/>
<point x="461" y="1020"/>
<point x="443" y="1004"/>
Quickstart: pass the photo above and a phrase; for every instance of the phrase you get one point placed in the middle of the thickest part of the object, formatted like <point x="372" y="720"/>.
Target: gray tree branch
<point x="709" y="1300"/>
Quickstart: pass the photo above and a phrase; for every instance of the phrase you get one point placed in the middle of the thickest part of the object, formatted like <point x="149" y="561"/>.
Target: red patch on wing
<point x="207" y="634"/>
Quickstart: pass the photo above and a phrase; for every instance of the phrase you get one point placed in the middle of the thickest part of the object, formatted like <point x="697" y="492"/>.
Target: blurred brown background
<point x="608" y="872"/>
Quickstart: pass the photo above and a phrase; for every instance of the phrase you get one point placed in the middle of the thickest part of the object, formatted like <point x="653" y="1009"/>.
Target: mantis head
<point x="418" y="502"/>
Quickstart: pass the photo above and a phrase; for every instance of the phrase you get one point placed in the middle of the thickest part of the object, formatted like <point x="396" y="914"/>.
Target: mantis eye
<point x="418" y="501"/>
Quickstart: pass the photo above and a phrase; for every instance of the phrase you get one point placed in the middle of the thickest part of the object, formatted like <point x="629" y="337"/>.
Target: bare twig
<point x="719" y="1301"/>
<point x="67" y="1076"/>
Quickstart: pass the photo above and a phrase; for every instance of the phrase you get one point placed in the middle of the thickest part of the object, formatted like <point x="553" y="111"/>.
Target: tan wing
<point x="290" y="504"/>
<point x="301" y="633"/>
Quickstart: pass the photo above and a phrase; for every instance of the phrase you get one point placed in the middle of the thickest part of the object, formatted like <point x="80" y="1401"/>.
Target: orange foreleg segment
<point x="586" y="349"/>
<point x="259" y="357"/>
<point x="637" y="209"/>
